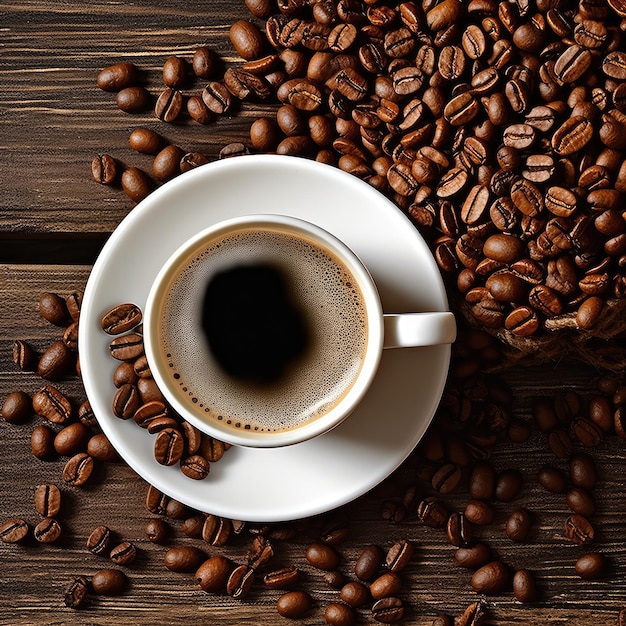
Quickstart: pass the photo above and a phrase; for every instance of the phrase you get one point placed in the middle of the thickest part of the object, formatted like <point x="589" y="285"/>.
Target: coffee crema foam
<point x="334" y="312"/>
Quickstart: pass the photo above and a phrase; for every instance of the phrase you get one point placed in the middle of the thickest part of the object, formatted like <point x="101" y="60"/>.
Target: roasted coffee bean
<point x="78" y="469"/>
<point x="109" y="582"/>
<point x="217" y="97"/>
<point x="386" y="585"/>
<point x="136" y="184"/>
<point x="322" y="556"/>
<point x="123" y="553"/>
<point x="216" y="530"/>
<point x="47" y="500"/>
<point x="247" y="39"/>
<point x="100" y="448"/>
<point x="431" y="512"/>
<point x="552" y="479"/>
<point x="17" y="407"/>
<point x="117" y="76"/>
<point x="76" y="591"/>
<point x="47" y="530"/>
<point x="459" y="530"/>
<point x="145" y="140"/>
<point x="191" y="160"/>
<point x="52" y="405"/>
<point x="578" y="529"/>
<point x="283" y="578"/>
<point x="399" y="555"/>
<point x="338" y="614"/>
<point x="518" y="525"/>
<point x="126" y="401"/>
<point x="56" y="361"/>
<point x="184" y="558"/>
<point x="166" y="164"/>
<point x="53" y="308"/>
<point x="560" y="443"/>
<point x="294" y="604"/>
<point x="157" y="530"/>
<point x="13" y="530"/>
<point x="71" y="439"/>
<point x="491" y="578"/>
<point x="195" y="467"/>
<point x="581" y="501"/>
<point x="104" y="169"/>
<point x="240" y="581"/>
<point x="582" y="471"/>
<point x="474" y="556"/>
<point x="388" y="610"/>
<point x="369" y="563"/>
<point x="169" y="105"/>
<point x="174" y="72"/>
<point x="169" y="446"/>
<point x="213" y="573"/>
<point x="524" y="586"/>
<point x="204" y="62"/>
<point x="508" y="485"/>
<point x="198" y="111"/>
<point x="591" y="566"/>
<point x="42" y="442"/>
<point x="446" y="478"/>
<point x="133" y="99"/>
<point x="126" y="347"/>
<point x="587" y="432"/>
<point x="99" y="540"/>
<point x="482" y="481"/>
<point x="478" y="512"/>
<point x="355" y="594"/>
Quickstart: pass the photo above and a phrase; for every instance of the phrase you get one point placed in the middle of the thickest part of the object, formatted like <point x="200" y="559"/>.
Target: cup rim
<point x="308" y="430"/>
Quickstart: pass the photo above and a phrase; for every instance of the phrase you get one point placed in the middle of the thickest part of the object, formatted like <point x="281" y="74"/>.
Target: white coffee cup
<point x="324" y="384"/>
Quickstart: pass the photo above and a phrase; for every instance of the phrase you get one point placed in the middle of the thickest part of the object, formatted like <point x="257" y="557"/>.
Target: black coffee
<point x="280" y="337"/>
<point x="253" y="328"/>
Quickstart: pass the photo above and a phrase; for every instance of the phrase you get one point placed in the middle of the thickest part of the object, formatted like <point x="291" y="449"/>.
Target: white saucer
<point x="270" y="485"/>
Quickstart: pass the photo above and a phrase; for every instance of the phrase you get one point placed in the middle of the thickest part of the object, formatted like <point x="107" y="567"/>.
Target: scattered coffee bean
<point x="157" y="530"/>
<point x="78" y="469"/>
<point x="17" y="407"/>
<point x="123" y="553"/>
<point x="490" y="579"/>
<point x="388" y="610"/>
<point x="369" y="563"/>
<point x="71" y="439"/>
<point x="524" y="586"/>
<point x="42" y="442"/>
<point x="294" y="604"/>
<point x="53" y="308"/>
<point x="47" y="500"/>
<point x="109" y="582"/>
<point x="518" y="525"/>
<point x="47" y="530"/>
<point x="76" y="591"/>
<point x="322" y="556"/>
<point x="13" y="530"/>
<point x="118" y="76"/>
<point x="591" y="566"/>
<point x="133" y="99"/>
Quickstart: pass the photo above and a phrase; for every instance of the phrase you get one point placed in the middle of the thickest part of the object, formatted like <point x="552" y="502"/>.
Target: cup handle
<point x="405" y="330"/>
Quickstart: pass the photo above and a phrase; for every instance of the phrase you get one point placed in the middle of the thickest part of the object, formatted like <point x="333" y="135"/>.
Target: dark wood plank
<point x="34" y="576"/>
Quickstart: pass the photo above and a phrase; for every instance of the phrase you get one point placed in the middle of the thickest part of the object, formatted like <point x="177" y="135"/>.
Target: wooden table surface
<point x="54" y="219"/>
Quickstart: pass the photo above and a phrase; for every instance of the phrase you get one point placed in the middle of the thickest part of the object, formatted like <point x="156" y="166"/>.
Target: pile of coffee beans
<point x="177" y="442"/>
<point x="497" y="126"/>
<point x="451" y="485"/>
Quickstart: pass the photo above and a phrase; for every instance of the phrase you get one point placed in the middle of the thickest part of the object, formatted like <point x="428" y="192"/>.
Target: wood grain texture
<point x="34" y="576"/>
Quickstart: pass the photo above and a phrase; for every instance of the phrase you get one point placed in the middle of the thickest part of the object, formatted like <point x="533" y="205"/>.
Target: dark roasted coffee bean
<point x="355" y="594"/>
<point x="169" y="105"/>
<point x="126" y="401"/>
<point x="17" y="407"/>
<point x="482" y="481"/>
<point x="104" y="169"/>
<point x="145" y="140"/>
<point x="174" y="72"/>
<point x="47" y="500"/>
<point x="117" y="76"/>
<point x="552" y="479"/>
<point x="240" y="581"/>
<point x="78" y="469"/>
<point x="109" y="582"/>
<point x="431" y="512"/>
<point x="23" y="354"/>
<point x="518" y="525"/>
<point x="582" y="471"/>
<point x="195" y="467"/>
<point x="369" y="563"/>
<point x="168" y="446"/>
<point x="399" y="555"/>
<point x="13" y="530"/>
<point x="461" y="109"/>
<point x="47" y="530"/>
<point x="283" y="578"/>
<point x="578" y="529"/>
<point x="581" y="501"/>
<point x="322" y="556"/>
<point x="42" y="442"/>
<point x="136" y="184"/>
<point x="157" y="530"/>
<point x="524" y="586"/>
<point x="213" y="573"/>
<point x="587" y="432"/>
<point x="388" y="610"/>
<point x="191" y="160"/>
<point x="53" y="308"/>
<point x="133" y="99"/>
<point x="560" y="443"/>
<point x="508" y="485"/>
<point x="446" y="478"/>
<point x="71" y="439"/>
<point x="123" y="553"/>
<point x="479" y="512"/>
<point x="184" y="558"/>
<point x="166" y="164"/>
<point x="338" y="614"/>
<point x="198" y="111"/>
<point x="76" y="591"/>
<point x="591" y="566"/>
<point x="474" y="556"/>
<point x="491" y="578"/>
<point x="100" y="448"/>
<point x="294" y="604"/>
<point x="204" y="62"/>
<point x="56" y="361"/>
<point x="459" y="530"/>
<point x="52" y="405"/>
<point x="386" y="585"/>
<point x="126" y="347"/>
<point x="216" y="530"/>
